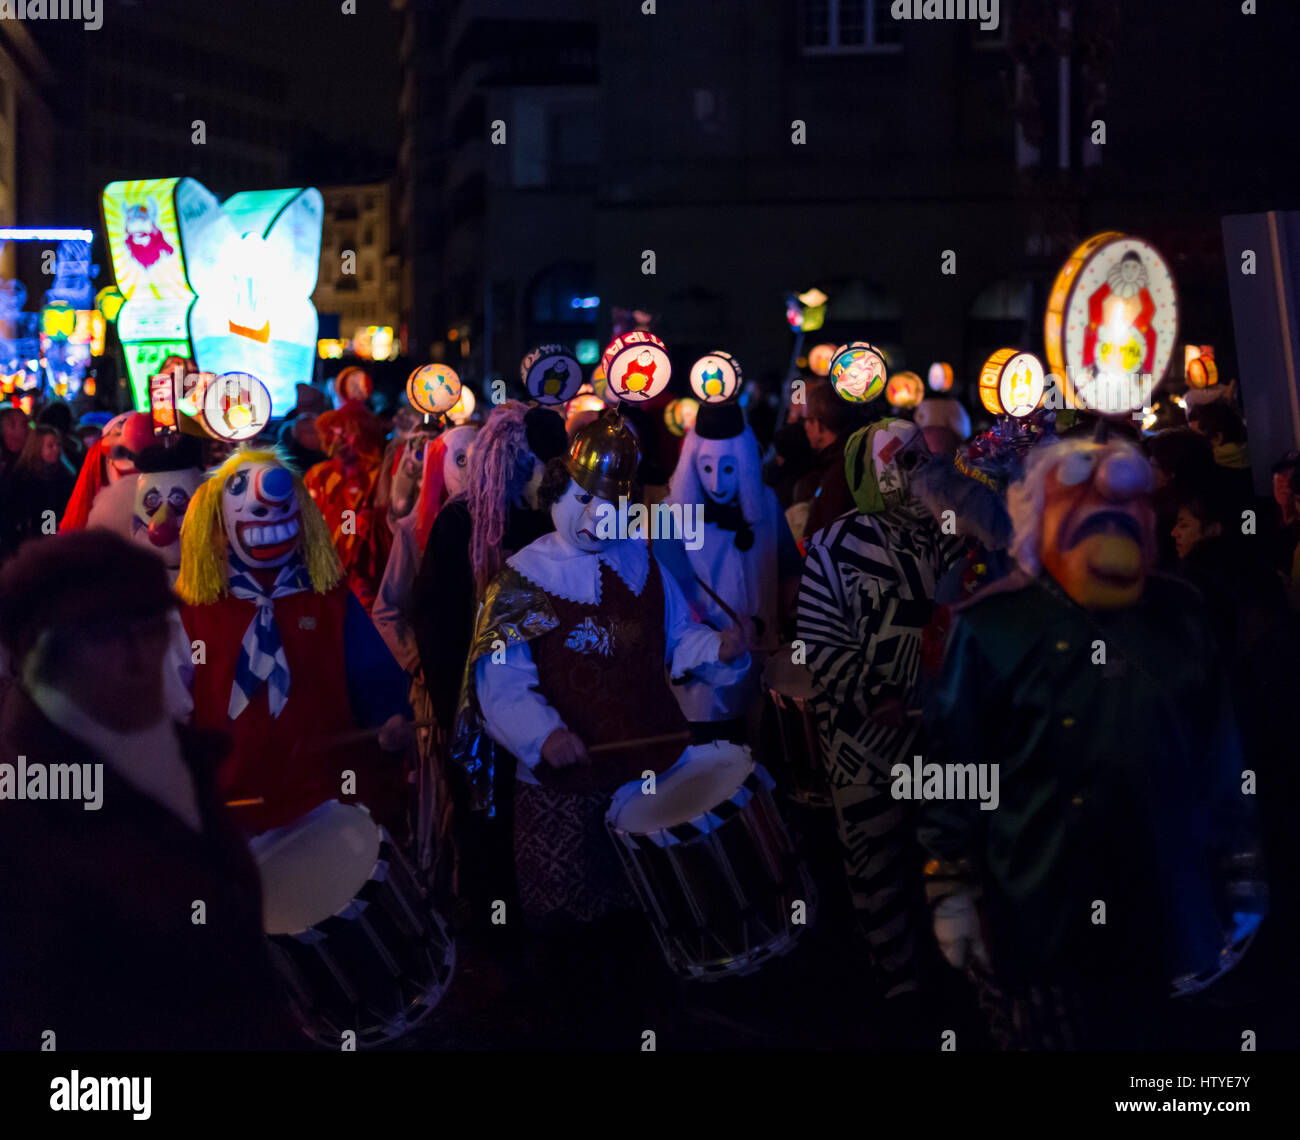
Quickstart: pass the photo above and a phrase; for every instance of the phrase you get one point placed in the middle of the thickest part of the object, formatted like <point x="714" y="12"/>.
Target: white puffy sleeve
<point x="515" y="713"/>
<point x="693" y="647"/>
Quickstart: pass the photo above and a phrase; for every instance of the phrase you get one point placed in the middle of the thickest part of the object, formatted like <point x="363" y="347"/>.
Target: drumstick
<point x="245" y="803"/>
<point x="324" y="743"/>
<point x="639" y="742"/>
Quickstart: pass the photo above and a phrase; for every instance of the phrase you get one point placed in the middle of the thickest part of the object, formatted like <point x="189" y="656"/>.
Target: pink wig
<point x="499" y="469"/>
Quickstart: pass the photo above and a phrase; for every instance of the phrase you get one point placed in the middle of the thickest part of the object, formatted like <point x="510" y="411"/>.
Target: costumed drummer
<point x="285" y="660"/>
<point x="575" y="643"/>
<point x="868" y="592"/>
<point x="744" y="564"/>
<point x="1120" y="856"/>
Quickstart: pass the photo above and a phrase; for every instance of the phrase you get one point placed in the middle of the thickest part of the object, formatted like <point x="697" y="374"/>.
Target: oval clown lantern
<point x="940" y="376"/>
<point x="1112" y="323"/>
<point x="1202" y="372"/>
<point x="433" y="389"/>
<point x="716" y="378"/>
<point x="637" y="367"/>
<point x="680" y="414"/>
<point x="551" y="373"/>
<point x="235" y="406"/>
<point x="819" y="359"/>
<point x="1012" y="383"/>
<point x="353" y="383"/>
<point x="858" y="372"/>
<point x="904" y="390"/>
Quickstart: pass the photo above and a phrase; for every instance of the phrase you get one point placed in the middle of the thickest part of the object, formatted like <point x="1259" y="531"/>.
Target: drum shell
<point x="720" y="891"/>
<point x="790" y="693"/>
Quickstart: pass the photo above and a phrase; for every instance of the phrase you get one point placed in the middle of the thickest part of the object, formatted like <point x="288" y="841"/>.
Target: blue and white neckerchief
<point x="261" y="655"/>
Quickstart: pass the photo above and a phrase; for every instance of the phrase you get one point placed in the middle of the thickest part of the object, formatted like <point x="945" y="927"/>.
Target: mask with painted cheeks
<point x="718" y="469"/>
<point x="161" y="500"/>
<point x="1098" y="530"/>
<point x="577" y="514"/>
<point x="259" y="506"/>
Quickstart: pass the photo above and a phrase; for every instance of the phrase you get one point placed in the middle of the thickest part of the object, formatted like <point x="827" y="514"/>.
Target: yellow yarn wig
<point x="205" y="565"/>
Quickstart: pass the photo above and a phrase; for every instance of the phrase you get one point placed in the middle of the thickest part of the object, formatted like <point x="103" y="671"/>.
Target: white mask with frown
<point x="718" y="469"/>
<point x="576" y="515"/>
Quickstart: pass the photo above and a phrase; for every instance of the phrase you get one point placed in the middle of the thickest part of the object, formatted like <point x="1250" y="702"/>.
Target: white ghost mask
<point x="718" y="468"/>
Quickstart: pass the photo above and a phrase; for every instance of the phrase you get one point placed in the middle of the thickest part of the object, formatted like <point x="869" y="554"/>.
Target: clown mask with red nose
<point x="1097" y="537"/>
<point x="161" y="500"/>
<point x="259" y="507"/>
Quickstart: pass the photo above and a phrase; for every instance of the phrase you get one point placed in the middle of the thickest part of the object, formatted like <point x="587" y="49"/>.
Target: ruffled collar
<point x="574" y="575"/>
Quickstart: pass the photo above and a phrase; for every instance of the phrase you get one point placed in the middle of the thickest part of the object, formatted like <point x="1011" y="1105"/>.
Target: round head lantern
<point x="551" y="373"/>
<point x="433" y="388"/>
<point x="716" y="378"/>
<point x="858" y="372"/>
<point x="636" y="366"/>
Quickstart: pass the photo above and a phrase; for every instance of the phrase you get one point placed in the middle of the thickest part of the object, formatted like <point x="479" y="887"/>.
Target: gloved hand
<point x="957" y="929"/>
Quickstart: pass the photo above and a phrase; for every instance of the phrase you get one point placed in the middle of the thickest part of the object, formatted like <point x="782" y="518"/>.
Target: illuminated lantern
<point x="464" y="407"/>
<point x="819" y="359"/>
<point x="1202" y="372"/>
<point x="109" y="302"/>
<point x="433" y="389"/>
<point x="551" y="373"/>
<point x="940" y="377"/>
<point x="858" y="372"/>
<point x="637" y="367"/>
<point x="236" y="406"/>
<point x="1112" y="323"/>
<point x="716" y="378"/>
<point x="162" y="401"/>
<point x="353" y="383"/>
<point x="58" y="320"/>
<point x="1012" y="383"/>
<point x="904" y="390"/>
<point x="679" y="415"/>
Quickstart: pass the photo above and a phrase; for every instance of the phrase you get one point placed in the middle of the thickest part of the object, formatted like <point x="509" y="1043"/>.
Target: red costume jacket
<point x="341" y="675"/>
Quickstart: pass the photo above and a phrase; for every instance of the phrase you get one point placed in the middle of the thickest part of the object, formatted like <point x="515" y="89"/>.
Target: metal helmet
<point x="604" y="456"/>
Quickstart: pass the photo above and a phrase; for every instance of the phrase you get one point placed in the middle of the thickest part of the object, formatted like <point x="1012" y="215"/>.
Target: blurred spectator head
<point x="828" y="418"/>
<point x="1219" y="422"/>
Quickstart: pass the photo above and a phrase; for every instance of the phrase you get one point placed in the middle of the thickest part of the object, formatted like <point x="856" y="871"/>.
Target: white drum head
<point x="312" y="868"/>
<point x="782" y="675"/>
<point x="705" y="776"/>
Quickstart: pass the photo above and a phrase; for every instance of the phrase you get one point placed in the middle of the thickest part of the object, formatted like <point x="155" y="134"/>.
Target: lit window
<point x="847" y="27"/>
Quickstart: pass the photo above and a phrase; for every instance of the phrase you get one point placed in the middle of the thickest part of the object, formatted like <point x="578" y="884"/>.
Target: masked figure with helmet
<point x="576" y="642"/>
<point x="867" y="594"/>
<point x="1118" y="866"/>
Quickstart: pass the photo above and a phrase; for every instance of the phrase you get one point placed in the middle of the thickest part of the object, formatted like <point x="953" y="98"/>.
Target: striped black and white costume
<point x="867" y="593"/>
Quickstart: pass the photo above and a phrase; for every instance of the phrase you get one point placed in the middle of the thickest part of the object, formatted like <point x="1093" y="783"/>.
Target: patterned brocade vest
<point x="603" y="670"/>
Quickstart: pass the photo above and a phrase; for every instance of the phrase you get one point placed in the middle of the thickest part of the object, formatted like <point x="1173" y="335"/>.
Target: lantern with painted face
<point x="858" y="372"/>
<point x="1097" y="528"/>
<point x="636" y="366"/>
<point x="940" y="376"/>
<point x="680" y="415"/>
<point x="236" y="406"/>
<point x="716" y="378"/>
<point x="551" y="373"/>
<point x="260" y="510"/>
<point x="1012" y="383"/>
<point x="904" y="390"/>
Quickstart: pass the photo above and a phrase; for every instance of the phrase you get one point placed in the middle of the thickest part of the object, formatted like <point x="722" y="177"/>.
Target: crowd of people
<point x="1093" y="629"/>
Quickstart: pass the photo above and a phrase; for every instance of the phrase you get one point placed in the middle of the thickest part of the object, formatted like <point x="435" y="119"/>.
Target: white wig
<point x="685" y="485"/>
<point x="1026" y="498"/>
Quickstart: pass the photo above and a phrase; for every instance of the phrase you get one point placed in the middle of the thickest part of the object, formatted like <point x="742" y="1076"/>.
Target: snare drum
<point x="790" y="689"/>
<point x="712" y="864"/>
<point x="352" y="933"/>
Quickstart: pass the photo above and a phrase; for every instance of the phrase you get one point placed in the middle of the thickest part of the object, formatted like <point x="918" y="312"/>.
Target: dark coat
<point x="97" y="941"/>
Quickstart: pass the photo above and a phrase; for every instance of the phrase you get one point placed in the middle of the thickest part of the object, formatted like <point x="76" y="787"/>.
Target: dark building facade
<point x="760" y="146"/>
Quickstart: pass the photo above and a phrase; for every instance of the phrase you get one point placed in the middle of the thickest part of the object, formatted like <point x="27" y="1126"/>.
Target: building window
<point x="848" y="27"/>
